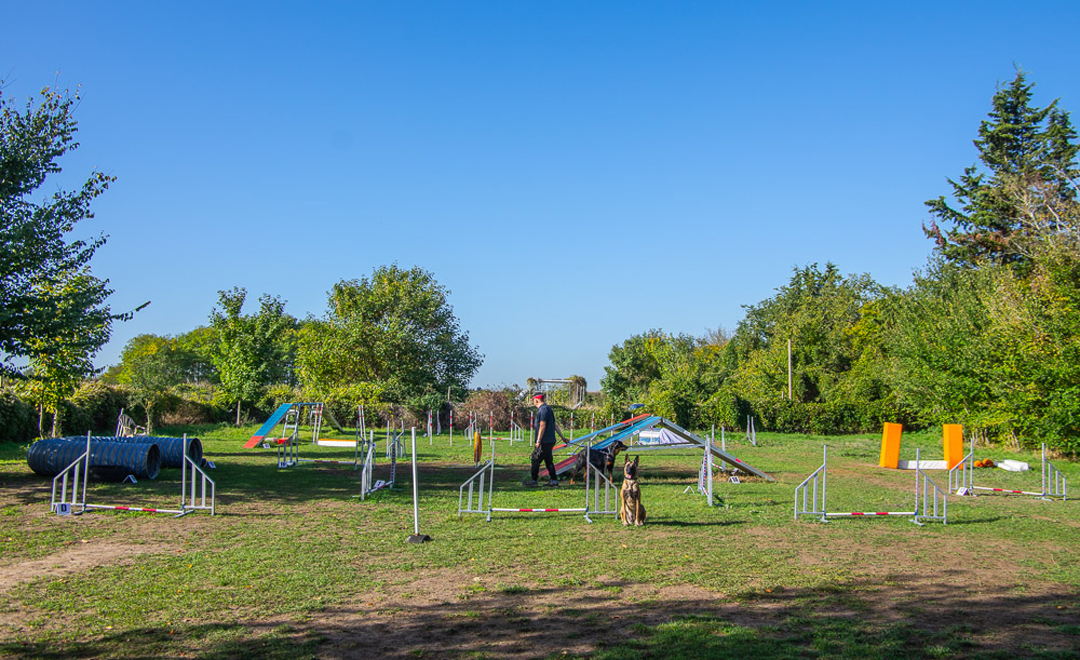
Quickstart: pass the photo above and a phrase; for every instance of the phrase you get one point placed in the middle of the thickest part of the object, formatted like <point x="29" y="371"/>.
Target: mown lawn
<point x="295" y="565"/>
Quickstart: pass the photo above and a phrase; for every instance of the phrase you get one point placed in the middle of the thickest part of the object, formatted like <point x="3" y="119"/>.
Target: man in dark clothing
<point x="546" y="429"/>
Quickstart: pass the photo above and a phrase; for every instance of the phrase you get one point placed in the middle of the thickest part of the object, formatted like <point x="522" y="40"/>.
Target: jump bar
<point x="874" y="513"/>
<point x="1005" y="490"/>
<point x="541" y="510"/>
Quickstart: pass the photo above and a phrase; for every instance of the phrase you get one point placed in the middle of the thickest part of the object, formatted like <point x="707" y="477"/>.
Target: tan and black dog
<point x="631" y="510"/>
<point x="601" y="459"/>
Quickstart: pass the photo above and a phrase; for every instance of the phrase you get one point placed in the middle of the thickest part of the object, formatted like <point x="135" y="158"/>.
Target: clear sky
<point x="573" y="172"/>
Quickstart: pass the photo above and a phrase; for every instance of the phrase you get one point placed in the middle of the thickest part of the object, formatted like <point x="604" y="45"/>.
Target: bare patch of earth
<point x="77" y="558"/>
<point x="446" y="614"/>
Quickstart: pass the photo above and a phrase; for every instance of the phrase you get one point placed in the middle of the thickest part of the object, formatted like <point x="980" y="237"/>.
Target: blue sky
<point x="574" y="173"/>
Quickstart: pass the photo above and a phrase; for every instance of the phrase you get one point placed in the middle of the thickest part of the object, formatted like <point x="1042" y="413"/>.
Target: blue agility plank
<point x="268" y="425"/>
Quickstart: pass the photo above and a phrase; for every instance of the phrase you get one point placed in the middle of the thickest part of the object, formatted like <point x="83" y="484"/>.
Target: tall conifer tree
<point x="1020" y="146"/>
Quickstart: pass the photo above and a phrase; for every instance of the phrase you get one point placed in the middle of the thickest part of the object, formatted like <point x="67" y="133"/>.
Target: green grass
<point x="291" y="550"/>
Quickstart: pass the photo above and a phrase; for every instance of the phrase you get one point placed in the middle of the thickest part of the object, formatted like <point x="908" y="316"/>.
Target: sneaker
<point x="553" y="483"/>
<point x="530" y="482"/>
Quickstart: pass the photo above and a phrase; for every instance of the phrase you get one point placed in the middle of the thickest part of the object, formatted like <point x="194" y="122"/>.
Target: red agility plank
<point x="253" y="442"/>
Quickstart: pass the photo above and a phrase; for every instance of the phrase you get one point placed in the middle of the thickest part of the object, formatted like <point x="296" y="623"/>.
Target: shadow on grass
<point x="882" y="619"/>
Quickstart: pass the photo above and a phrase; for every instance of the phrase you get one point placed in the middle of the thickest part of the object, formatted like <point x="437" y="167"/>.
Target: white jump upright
<point x="194" y="483"/>
<point x="931" y="502"/>
<point x="1053" y="482"/>
<point x="704" y="484"/>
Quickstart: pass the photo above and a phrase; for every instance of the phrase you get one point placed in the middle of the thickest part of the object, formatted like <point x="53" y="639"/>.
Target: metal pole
<point x="824" y="480"/>
<point x="417" y="537"/>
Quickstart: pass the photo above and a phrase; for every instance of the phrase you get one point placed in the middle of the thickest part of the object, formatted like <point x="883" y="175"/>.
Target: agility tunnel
<point x="172" y="449"/>
<point x="109" y="460"/>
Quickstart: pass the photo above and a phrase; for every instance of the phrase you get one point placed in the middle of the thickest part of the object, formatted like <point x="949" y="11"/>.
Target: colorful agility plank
<point x="268" y="426"/>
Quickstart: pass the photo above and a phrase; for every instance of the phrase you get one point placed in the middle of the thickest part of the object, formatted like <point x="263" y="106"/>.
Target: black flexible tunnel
<point x="108" y="460"/>
<point x="172" y="449"/>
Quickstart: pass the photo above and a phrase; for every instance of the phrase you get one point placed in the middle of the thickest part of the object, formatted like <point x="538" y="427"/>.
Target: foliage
<point x="670" y="374"/>
<point x="1019" y="145"/>
<point x="46" y="293"/>
<point x="17" y="418"/>
<point x="494" y="406"/>
<point x="61" y="359"/>
<point x="817" y="311"/>
<point x="395" y="330"/>
<point x="254" y="350"/>
<point x="150" y="370"/>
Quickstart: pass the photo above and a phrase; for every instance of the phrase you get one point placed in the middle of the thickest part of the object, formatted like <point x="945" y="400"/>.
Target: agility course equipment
<point x="126" y="426"/>
<point x="1053" y="483"/>
<point x="287" y="445"/>
<point x="670" y="436"/>
<point x="171" y="449"/>
<point x="70" y="485"/>
<point x="416" y="536"/>
<point x="290" y="414"/>
<point x="473" y="501"/>
<point x="107" y="460"/>
<point x="751" y="431"/>
<point x="952" y="440"/>
<point x="931" y="502"/>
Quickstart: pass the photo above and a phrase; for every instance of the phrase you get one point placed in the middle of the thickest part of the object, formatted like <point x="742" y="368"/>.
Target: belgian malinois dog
<point x="631" y="510"/>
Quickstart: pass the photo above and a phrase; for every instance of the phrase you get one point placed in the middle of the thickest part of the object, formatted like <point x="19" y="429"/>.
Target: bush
<point x="830" y="418"/>
<point x="18" y="419"/>
<point x="95" y="407"/>
<point x="493" y="405"/>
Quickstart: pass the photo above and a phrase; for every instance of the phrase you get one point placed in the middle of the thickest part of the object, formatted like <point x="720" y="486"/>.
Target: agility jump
<point x="931" y="502"/>
<point x="962" y="480"/>
<point x="471" y="494"/>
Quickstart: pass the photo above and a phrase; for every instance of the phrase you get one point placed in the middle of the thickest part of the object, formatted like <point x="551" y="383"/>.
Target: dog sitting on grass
<point x="631" y="510"/>
<point x="601" y="459"/>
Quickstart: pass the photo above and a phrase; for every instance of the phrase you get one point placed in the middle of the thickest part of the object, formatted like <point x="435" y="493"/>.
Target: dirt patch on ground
<point x="443" y="614"/>
<point x="77" y="558"/>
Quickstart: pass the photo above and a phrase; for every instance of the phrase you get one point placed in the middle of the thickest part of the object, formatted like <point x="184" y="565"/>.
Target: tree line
<point x="987" y="334"/>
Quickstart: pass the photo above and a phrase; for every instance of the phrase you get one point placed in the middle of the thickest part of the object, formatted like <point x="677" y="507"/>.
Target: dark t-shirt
<point x="545" y="414"/>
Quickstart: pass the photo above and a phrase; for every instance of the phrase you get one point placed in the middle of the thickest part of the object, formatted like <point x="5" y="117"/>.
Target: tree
<point x="1020" y="146"/>
<point x="251" y="350"/>
<point x="150" y="366"/>
<point x="60" y="359"/>
<point x="817" y="311"/>
<point x="45" y="290"/>
<point x="395" y="330"/>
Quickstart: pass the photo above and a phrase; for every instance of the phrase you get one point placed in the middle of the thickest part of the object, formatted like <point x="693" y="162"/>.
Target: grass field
<point x="296" y="566"/>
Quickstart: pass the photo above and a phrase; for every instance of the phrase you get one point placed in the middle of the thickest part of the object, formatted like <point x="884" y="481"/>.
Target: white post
<point x="417" y="537"/>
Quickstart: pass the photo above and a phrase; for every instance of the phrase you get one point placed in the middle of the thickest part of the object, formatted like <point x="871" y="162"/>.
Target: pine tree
<point x="1021" y="148"/>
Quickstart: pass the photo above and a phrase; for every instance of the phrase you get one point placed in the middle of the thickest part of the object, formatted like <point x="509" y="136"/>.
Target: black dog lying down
<point x="601" y="459"/>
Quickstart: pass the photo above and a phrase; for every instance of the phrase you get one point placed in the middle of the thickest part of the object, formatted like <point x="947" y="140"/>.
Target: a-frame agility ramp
<point x="676" y="437"/>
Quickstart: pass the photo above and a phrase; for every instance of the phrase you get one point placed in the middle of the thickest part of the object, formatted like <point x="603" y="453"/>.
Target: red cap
<point x="539" y="395"/>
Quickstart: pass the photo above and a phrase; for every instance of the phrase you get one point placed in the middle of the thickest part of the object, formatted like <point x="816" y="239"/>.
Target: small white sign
<point x="63" y="509"/>
<point x="734" y="480"/>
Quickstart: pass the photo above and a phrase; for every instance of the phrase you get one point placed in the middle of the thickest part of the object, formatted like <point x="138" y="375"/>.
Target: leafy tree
<point x="151" y="371"/>
<point x="60" y="360"/>
<point x="671" y="374"/>
<point x="817" y="310"/>
<point x="394" y="330"/>
<point x="150" y="367"/>
<point x="45" y="290"/>
<point x="252" y="350"/>
<point x="1020" y="146"/>
<point x="634" y="366"/>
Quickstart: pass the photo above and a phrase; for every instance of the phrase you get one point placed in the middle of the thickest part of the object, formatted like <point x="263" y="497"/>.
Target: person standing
<point x="546" y="430"/>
